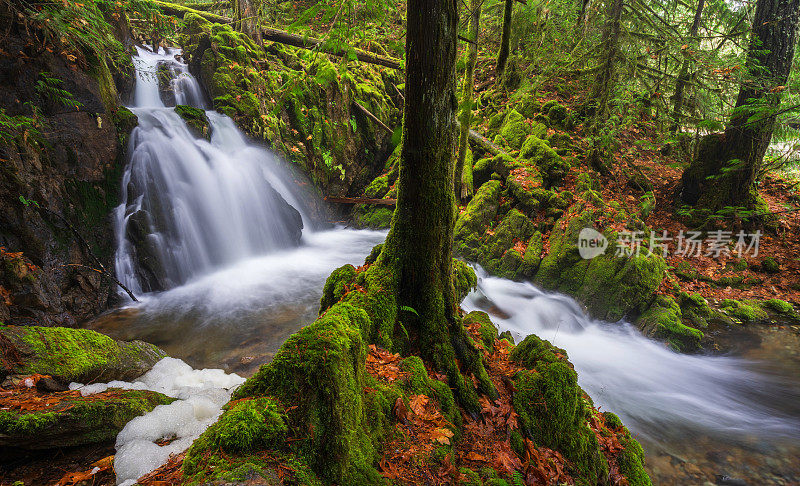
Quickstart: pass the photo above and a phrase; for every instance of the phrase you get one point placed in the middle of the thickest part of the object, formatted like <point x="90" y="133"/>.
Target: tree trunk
<point x="732" y="161"/>
<point x="462" y="188"/>
<point x="419" y="245"/>
<point x="683" y="75"/>
<point x="247" y="19"/>
<point x="505" y="39"/>
<point x="583" y="18"/>
<point x="603" y="83"/>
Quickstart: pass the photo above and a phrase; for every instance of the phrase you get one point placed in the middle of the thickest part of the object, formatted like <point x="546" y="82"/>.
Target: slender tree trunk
<point x="247" y="19"/>
<point x="686" y="66"/>
<point x="734" y="159"/>
<point x="462" y="188"/>
<point x="603" y="83"/>
<point x="505" y="39"/>
<point x="418" y="248"/>
<point x="583" y="18"/>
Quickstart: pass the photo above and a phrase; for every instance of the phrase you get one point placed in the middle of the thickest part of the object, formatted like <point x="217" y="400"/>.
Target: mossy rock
<point x="552" y="166"/>
<point x="76" y="421"/>
<point x="320" y="370"/>
<point x="631" y="459"/>
<point x="464" y="279"/>
<point x="501" y="164"/>
<point x="477" y="216"/>
<point x="746" y="311"/>
<point x="781" y="307"/>
<point x="496" y="252"/>
<point x="514" y="129"/>
<point x="534" y="351"/>
<point x="770" y="265"/>
<point x="557" y="113"/>
<point x="488" y="330"/>
<point x="378" y="187"/>
<point x="554" y="414"/>
<point x="611" y="286"/>
<point x="196" y="120"/>
<point x="663" y="320"/>
<point x="417" y="382"/>
<point x="372" y="216"/>
<point x="77" y="355"/>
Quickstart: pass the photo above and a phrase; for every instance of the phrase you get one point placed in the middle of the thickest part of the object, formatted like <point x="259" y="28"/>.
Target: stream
<point x="244" y="264"/>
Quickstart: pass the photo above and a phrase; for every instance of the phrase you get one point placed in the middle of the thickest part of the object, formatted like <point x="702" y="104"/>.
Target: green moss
<point x="336" y="285"/>
<point x="76" y="420"/>
<point x="770" y="265"/>
<point x="246" y="426"/>
<point x="514" y="129"/>
<point x="746" y="311"/>
<point x="320" y="369"/>
<point x="79" y="355"/>
<point x="781" y="307"/>
<point x="473" y="222"/>
<point x="196" y="119"/>
<point x="695" y="310"/>
<point x="487" y="328"/>
<point x="372" y="216"/>
<point x="664" y="320"/>
<point x="631" y="459"/>
<point x="553" y="414"/>
<point x="534" y="351"/>
<point x="552" y="166"/>
<point x="378" y="187"/>
<point x="502" y="164"/>
<point x="418" y="382"/>
<point x="464" y="279"/>
<point x="557" y="113"/>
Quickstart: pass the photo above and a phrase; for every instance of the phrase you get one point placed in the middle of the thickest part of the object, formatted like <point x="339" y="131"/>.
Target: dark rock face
<point x="58" y="183"/>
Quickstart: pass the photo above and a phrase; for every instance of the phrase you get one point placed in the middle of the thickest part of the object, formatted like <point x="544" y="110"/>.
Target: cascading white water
<point x="190" y="205"/>
<point x="657" y="392"/>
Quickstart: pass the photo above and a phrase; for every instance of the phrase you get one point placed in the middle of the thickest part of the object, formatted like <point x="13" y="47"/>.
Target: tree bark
<point x="610" y="42"/>
<point x="418" y="248"/>
<point x="686" y="66"/>
<point x="732" y="160"/>
<point x="462" y="188"/>
<point x="247" y="19"/>
<point x="505" y="39"/>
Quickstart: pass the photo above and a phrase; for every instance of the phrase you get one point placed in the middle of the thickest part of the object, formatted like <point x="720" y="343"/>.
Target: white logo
<point x="591" y="243"/>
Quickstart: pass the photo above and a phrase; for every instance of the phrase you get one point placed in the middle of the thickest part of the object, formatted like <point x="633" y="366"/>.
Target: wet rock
<point x="149" y="267"/>
<point x="723" y="480"/>
<point x="196" y="120"/>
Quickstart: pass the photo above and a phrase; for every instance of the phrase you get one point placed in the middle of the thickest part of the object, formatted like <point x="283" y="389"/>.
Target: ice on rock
<point x="200" y="396"/>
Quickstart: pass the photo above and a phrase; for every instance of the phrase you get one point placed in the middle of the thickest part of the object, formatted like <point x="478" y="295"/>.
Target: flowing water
<point x="222" y="216"/>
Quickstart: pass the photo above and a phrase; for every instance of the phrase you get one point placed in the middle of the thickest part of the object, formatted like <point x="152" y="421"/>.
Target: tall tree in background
<point x="505" y="39"/>
<point x="462" y="188"/>
<point x="724" y="172"/>
<point x="603" y="84"/>
<point x="246" y="15"/>
<point x="418" y="249"/>
<point x="685" y="75"/>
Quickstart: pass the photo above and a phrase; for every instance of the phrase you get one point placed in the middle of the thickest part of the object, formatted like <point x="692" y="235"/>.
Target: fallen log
<point x="361" y="200"/>
<point x="295" y="40"/>
<point x="180" y="11"/>
<point x="373" y="118"/>
<point x="283" y="37"/>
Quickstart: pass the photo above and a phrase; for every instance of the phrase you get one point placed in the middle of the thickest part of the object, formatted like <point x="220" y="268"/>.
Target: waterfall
<point x="190" y="205"/>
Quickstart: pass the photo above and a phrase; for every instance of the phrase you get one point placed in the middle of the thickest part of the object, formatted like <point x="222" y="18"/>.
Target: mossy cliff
<point x="65" y="171"/>
<point x="298" y="101"/>
<point x="317" y="412"/>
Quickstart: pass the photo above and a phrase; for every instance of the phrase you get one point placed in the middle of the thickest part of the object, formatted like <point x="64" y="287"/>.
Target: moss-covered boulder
<point x="631" y="458"/>
<point x="611" y="285"/>
<point x="552" y="409"/>
<point x="472" y="223"/>
<point x="663" y="320"/>
<point x="196" y="120"/>
<point x="745" y="311"/>
<point x="487" y="329"/>
<point x="74" y="420"/>
<point x="502" y="165"/>
<point x="77" y="355"/>
<point x="373" y="216"/>
<point x="552" y="166"/>
<point x="497" y="254"/>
